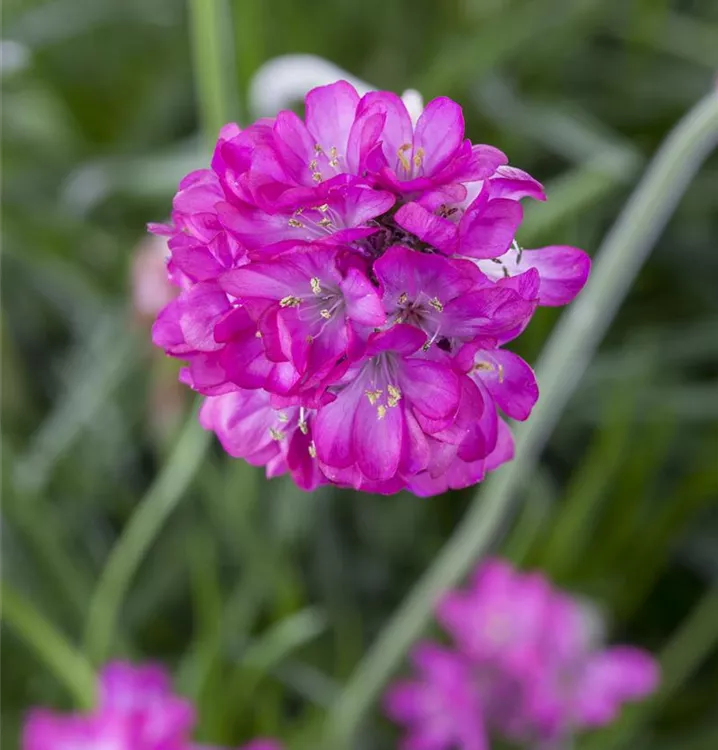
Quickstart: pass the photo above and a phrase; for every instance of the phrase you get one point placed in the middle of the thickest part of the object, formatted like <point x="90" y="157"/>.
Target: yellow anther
<point x="315" y="285"/>
<point x="333" y="153"/>
<point x="482" y="367"/>
<point x="323" y="208"/>
<point x="282" y="417"/>
<point x="325" y="222"/>
<point x="290" y="301"/>
<point x="295" y="223"/>
<point x="418" y="157"/>
<point x="436" y="304"/>
<point x="304" y="429"/>
<point x="312" y="450"/>
<point x="394" y="395"/>
<point x="403" y="298"/>
<point x="276" y="434"/>
<point x="425" y="347"/>
<point x="313" y="165"/>
<point x="318" y="149"/>
<point x="381" y="411"/>
<point x="402" y="156"/>
<point x="374" y="396"/>
<point x="501" y="373"/>
<point x="325" y="314"/>
<point x="317" y="176"/>
<point x="258" y="334"/>
<point x="334" y="163"/>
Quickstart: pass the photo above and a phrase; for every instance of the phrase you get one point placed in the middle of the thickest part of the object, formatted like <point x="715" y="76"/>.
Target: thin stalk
<point x="139" y="534"/>
<point x="212" y="64"/>
<point x="559" y="370"/>
<point x="67" y="664"/>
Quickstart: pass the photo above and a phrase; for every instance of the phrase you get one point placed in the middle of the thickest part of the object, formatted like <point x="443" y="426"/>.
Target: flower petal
<point x="431" y="388"/>
<point x="514" y="184"/>
<point x="363" y="304"/>
<point x="378" y="437"/>
<point x="397" y="130"/>
<point x="330" y="113"/>
<point x="487" y="230"/>
<point x="428" y="227"/>
<point x="333" y="428"/>
<point x="563" y="270"/>
<point x="439" y="133"/>
<point x="509" y="380"/>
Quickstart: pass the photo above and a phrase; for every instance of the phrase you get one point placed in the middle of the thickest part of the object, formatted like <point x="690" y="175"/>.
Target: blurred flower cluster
<point x="526" y="664"/>
<point x="348" y="283"/>
<point x="136" y="710"/>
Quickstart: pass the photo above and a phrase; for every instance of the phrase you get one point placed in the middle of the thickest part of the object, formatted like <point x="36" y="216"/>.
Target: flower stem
<point x="212" y="64"/>
<point x="69" y="666"/>
<point x="137" y="537"/>
<point x="559" y="370"/>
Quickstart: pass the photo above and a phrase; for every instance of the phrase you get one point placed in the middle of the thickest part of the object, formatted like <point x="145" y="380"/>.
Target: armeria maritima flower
<point x="348" y="284"/>
<point x="526" y="665"/>
<point x="136" y="710"/>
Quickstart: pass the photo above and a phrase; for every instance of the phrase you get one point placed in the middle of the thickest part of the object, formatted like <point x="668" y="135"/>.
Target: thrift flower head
<point x="347" y="284"/>
<point x="527" y="665"/>
<point x="136" y="710"/>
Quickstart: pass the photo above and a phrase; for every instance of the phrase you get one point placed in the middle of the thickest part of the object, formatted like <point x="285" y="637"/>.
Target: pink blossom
<point x="151" y="289"/>
<point x="359" y="268"/>
<point x="136" y="710"/>
<point x="440" y="709"/>
<point x="527" y="657"/>
<point x="280" y="439"/>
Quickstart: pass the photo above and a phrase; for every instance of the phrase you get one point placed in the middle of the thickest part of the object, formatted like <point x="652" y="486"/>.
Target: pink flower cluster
<point x="136" y="710"/>
<point x="348" y="283"/>
<point x="526" y="665"/>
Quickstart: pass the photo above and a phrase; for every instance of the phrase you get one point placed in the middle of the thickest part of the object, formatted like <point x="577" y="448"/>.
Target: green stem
<point x="139" y="534"/>
<point x="210" y="54"/>
<point x="68" y="665"/>
<point x="560" y="368"/>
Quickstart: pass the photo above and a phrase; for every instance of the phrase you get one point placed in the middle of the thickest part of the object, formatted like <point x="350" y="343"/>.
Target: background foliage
<point x="262" y="598"/>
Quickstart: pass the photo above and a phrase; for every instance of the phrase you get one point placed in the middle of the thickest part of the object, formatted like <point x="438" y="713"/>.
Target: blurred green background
<point x="261" y="598"/>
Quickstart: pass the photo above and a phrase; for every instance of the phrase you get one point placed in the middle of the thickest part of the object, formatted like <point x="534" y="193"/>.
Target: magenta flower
<point x="136" y="710"/>
<point x="441" y="710"/>
<point x="375" y="429"/>
<point x="281" y="439"/>
<point x="528" y="661"/>
<point x="357" y="275"/>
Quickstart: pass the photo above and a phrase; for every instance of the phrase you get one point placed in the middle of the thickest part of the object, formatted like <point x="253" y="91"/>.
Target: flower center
<point x="409" y="163"/>
<point x="424" y="312"/>
<point x="316" y="222"/>
<point x="325" y="161"/>
<point x="380" y="384"/>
